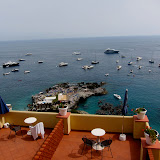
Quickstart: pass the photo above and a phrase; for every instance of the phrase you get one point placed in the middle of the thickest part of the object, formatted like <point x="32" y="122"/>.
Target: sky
<point x="49" y="19"/>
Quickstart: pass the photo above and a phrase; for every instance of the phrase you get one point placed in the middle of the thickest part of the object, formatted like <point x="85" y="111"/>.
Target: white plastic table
<point x="29" y="121"/>
<point x="98" y="132"/>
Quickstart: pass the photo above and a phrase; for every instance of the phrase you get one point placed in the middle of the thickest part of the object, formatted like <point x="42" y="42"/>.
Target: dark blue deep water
<point x="143" y="88"/>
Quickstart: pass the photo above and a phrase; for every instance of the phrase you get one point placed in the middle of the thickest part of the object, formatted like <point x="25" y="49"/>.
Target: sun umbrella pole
<point x="122" y="123"/>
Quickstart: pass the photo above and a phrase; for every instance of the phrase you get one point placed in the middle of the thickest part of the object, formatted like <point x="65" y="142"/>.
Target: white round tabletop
<point x="30" y="120"/>
<point x="98" y="132"/>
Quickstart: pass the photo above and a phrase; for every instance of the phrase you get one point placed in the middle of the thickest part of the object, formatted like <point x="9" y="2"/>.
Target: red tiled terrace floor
<point x="18" y="147"/>
<point x="71" y="147"/>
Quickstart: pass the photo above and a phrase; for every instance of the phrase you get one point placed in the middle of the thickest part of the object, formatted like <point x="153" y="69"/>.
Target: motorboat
<point x="6" y="73"/>
<point x="95" y="62"/>
<point x="10" y="64"/>
<point x="63" y="64"/>
<point x="149" y="70"/>
<point x="76" y="53"/>
<point x="79" y="59"/>
<point x="111" y="51"/>
<point x="28" y="54"/>
<point x="107" y="74"/>
<point x="138" y="58"/>
<point x="130" y="63"/>
<point x="117" y="61"/>
<point x="15" y="70"/>
<point x="119" y="67"/>
<point x="21" y="59"/>
<point x="87" y="67"/>
<point x="131" y="71"/>
<point x="151" y="61"/>
<point x="159" y="65"/>
<point x="40" y="61"/>
<point x="25" y="72"/>
<point x="90" y="67"/>
<point x="139" y="67"/>
<point x="117" y="96"/>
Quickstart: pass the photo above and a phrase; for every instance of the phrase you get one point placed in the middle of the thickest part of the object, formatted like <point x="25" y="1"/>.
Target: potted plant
<point x="151" y="135"/>
<point x="140" y="112"/>
<point x="62" y="109"/>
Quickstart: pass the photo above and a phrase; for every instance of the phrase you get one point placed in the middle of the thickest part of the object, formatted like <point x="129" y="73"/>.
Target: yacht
<point x="138" y="58"/>
<point x="119" y="67"/>
<point x="130" y="63"/>
<point x="40" y="61"/>
<point x="26" y="72"/>
<point x="28" y="54"/>
<point x="79" y="59"/>
<point x="10" y="64"/>
<point x="151" y="61"/>
<point x="76" y="53"/>
<point x="15" y="70"/>
<point x="6" y="73"/>
<point x="107" y="74"/>
<point x="117" y="96"/>
<point x="63" y="64"/>
<point x="21" y="59"/>
<point x="111" y="51"/>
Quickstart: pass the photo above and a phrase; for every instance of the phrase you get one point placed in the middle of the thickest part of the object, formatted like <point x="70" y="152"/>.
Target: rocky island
<point x="67" y="93"/>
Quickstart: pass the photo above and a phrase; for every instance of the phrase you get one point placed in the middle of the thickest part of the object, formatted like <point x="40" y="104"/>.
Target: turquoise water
<point x="143" y="88"/>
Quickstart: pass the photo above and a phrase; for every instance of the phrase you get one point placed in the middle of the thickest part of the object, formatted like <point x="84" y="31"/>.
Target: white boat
<point x="10" y="64"/>
<point x="21" y="59"/>
<point x="138" y="58"/>
<point x="63" y="64"/>
<point x="40" y="61"/>
<point x="90" y="67"/>
<point x="149" y="70"/>
<point x="95" y="62"/>
<point x="111" y="51"/>
<point x="117" y="96"/>
<point x="107" y="74"/>
<point x="87" y="67"/>
<point x="76" y="53"/>
<point x="15" y="70"/>
<point x="130" y="63"/>
<point x="139" y="67"/>
<point x="151" y="61"/>
<point x="117" y="61"/>
<point x="119" y="67"/>
<point x="79" y="59"/>
<point x="28" y="54"/>
<point x="6" y="73"/>
<point x="26" y="72"/>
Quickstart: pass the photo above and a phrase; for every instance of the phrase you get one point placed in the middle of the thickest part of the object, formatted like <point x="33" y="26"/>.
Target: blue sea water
<point x="143" y="88"/>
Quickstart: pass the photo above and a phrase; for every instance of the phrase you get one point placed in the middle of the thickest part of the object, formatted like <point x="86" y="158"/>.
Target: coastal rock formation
<point x="75" y="93"/>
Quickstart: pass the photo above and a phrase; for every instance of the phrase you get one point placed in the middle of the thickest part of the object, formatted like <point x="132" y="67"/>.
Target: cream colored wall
<point x="17" y="117"/>
<point x="109" y="123"/>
